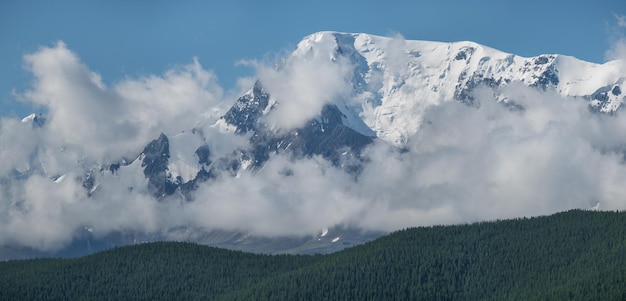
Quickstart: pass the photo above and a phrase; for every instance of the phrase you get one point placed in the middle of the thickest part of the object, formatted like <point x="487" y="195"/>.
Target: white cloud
<point x="89" y="125"/>
<point x="488" y="163"/>
<point x="396" y="56"/>
<point x="46" y="215"/>
<point x="464" y="164"/>
<point x="621" y="20"/>
<point x="111" y="122"/>
<point x="21" y="142"/>
<point x="302" y="84"/>
<point x="617" y="51"/>
<point x="273" y="203"/>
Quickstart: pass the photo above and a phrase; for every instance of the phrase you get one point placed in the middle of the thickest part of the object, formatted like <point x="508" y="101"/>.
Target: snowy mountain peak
<point x="37" y="120"/>
<point x="248" y="109"/>
<point x="396" y="80"/>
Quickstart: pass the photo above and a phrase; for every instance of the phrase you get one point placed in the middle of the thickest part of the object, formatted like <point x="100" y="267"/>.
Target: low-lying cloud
<point x="465" y="164"/>
<point x="301" y="85"/>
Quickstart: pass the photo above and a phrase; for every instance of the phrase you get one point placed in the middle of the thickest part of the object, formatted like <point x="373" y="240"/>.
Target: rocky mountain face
<point x="394" y="81"/>
<point x="327" y="135"/>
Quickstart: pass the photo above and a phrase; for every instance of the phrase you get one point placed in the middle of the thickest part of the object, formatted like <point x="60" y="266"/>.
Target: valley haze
<point x="356" y="133"/>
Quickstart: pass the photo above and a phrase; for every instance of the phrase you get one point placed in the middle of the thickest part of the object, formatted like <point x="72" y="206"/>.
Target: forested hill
<point x="575" y="255"/>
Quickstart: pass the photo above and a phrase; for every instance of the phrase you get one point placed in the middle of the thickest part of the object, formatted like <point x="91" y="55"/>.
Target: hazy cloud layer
<point x="464" y="164"/>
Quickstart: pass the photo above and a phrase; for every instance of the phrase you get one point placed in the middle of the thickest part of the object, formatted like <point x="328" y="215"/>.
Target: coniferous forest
<point x="574" y="255"/>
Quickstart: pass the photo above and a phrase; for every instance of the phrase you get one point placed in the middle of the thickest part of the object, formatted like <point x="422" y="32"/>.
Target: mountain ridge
<point x="438" y="72"/>
<point x="387" y="87"/>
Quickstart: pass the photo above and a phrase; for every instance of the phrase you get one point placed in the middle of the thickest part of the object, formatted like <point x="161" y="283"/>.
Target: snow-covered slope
<point x="395" y="80"/>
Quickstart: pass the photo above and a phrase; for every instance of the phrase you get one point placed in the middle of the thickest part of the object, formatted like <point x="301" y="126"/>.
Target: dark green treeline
<point x="575" y="255"/>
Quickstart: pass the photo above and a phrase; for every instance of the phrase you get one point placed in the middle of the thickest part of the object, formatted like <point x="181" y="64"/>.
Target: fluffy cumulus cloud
<point x="468" y="164"/>
<point x="112" y="121"/>
<point x="89" y="125"/>
<point x="302" y="84"/>
<point x="285" y="198"/>
<point x="464" y="164"/>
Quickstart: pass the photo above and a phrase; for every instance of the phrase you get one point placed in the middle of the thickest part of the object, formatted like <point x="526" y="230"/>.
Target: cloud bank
<point x="110" y="122"/>
<point x="465" y="164"/>
<point x="88" y="126"/>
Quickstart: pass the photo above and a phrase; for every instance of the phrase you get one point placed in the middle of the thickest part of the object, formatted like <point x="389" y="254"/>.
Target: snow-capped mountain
<point x="395" y="80"/>
<point x="392" y="84"/>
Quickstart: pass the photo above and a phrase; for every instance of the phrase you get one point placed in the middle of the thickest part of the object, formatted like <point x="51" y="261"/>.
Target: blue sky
<point x="119" y="39"/>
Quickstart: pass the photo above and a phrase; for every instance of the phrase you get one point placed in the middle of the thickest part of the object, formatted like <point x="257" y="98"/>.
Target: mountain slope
<point x="518" y="259"/>
<point x="393" y="83"/>
<point x="396" y="80"/>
